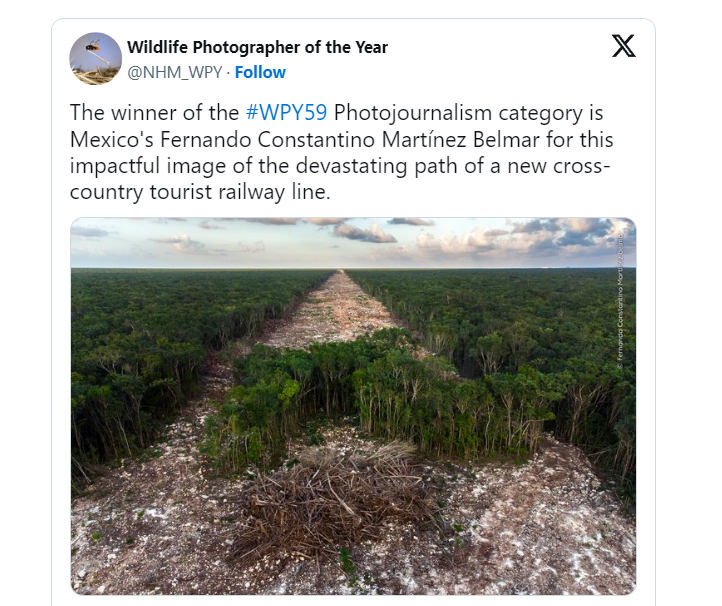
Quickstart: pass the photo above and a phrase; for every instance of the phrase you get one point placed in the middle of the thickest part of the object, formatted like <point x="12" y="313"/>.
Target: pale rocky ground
<point x="164" y="525"/>
<point x="337" y="311"/>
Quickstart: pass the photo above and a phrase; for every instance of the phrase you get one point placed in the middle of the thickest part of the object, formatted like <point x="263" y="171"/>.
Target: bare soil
<point x="337" y="311"/>
<point x="164" y="524"/>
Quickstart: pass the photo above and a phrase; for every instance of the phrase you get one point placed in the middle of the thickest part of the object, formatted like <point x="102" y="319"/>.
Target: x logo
<point x="623" y="45"/>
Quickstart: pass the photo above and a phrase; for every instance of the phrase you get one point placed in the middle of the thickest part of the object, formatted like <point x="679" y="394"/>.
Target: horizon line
<point x="365" y="268"/>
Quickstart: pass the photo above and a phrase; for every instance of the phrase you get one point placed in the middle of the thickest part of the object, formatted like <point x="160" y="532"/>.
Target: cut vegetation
<point x="319" y="455"/>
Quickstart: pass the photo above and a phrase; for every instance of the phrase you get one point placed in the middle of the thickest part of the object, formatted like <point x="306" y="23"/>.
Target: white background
<point x="686" y="406"/>
<point x="553" y="64"/>
<point x="490" y="64"/>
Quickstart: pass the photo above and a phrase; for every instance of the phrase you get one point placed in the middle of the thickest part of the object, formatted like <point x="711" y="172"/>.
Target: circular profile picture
<point x="95" y="58"/>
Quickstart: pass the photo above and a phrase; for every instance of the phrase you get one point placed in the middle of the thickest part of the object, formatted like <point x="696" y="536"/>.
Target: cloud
<point x="535" y="226"/>
<point x="184" y="244"/>
<point x="574" y="234"/>
<point x="626" y="227"/>
<point x="257" y="247"/>
<point x="171" y="240"/>
<point x="494" y="233"/>
<point x="374" y="234"/>
<point x="542" y="247"/>
<point x="476" y="241"/>
<point x="597" y="227"/>
<point x="576" y="238"/>
<point x="391" y="254"/>
<point x="160" y="220"/>
<point x="88" y="232"/>
<point x="326" y="221"/>
<point x="208" y="225"/>
<point x="274" y="221"/>
<point x="410" y="221"/>
<point x="584" y="232"/>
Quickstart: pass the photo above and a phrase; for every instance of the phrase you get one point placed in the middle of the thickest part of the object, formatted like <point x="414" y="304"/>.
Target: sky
<point x="406" y="242"/>
<point x="82" y="59"/>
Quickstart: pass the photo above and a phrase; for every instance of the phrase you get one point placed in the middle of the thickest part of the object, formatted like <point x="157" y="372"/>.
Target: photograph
<point x="353" y="406"/>
<point x="95" y="58"/>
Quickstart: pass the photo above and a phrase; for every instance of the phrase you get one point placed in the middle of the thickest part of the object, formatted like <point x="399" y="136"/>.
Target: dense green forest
<point x="516" y="353"/>
<point x="140" y="338"/>
<point x="559" y="323"/>
<point x="395" y="394"/>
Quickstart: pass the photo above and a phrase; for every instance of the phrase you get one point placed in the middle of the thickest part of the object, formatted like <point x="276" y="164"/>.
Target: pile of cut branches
<point x="330" y="500"/>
